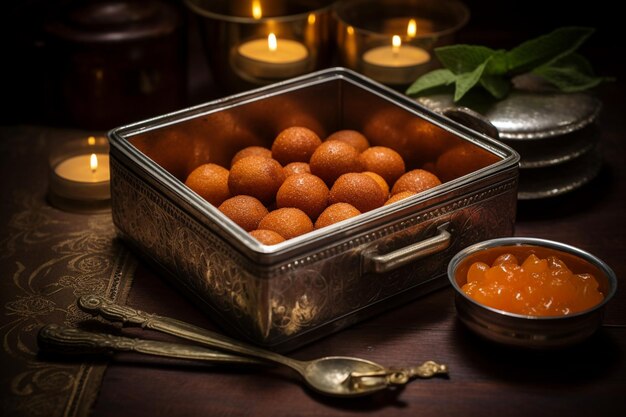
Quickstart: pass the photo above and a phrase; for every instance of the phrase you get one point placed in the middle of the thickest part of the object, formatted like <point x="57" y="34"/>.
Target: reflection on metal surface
<point x="280" y="304"/>
<point x="330" y="375"/>
<point x="286" y="294"/>
<point x="559" y="179"/>
<point x="531" y="116"/>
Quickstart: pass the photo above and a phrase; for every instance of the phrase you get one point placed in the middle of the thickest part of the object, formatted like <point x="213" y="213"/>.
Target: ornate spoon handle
<point x="399" y="376"/>
<point x="98" y="305"/>
<point x="65" y="340"/>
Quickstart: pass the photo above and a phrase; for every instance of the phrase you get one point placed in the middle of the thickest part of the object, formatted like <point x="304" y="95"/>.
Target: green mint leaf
<point x="550" y="56"/>
<point x="464" y="82"/>
<point x="430" y="80"/>
<point x="546" y="48"/>
<point x="497" y="86"/>
<point x="498" y="65"/>
<point x="570" y="74"/>
<point x="463" y="58"/>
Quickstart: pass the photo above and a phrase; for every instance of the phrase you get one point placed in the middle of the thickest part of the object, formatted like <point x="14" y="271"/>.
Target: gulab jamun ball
<point x="399" y="196"/>
<point x="295" y="144"/>
<point x="461" y="160"/>
<point x="296" y="168"/>
<point x="335" y="213"/>
<point x="359" y="190"/>
<point x="244" y="210"/>
<point x="267" y="237"/>
<point x="351" y="137"/>
<point x="256" y="176"/>
<point x="386" y="128"/>
<point x="425" y="142"/>
<point x="333" y="159"/>
<point x="417" y="180"/>
<point x="288" y="222"/>
<point x="384" y="161"/>
<point x="306" y="192"/>
<point x="380" y="180"/>
<point x="210" y="181"/>
<point x="250" y="151"/>
<point x="174" y="150"/>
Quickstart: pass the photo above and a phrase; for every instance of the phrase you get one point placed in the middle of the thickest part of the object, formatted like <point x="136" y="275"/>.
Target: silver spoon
<point x="332" y="375"/>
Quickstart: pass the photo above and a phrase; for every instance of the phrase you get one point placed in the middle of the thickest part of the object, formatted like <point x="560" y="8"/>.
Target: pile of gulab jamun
<point x="304" y="182"/>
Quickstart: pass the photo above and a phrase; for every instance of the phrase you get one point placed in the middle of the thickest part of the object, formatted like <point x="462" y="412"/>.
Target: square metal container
<point x="285" y="295"/>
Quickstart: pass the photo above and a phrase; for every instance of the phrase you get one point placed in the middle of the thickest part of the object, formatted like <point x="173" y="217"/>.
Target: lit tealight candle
<point x="395" y="63"/>
<point x="272" y="57"/>
<point x="81" y="181"/>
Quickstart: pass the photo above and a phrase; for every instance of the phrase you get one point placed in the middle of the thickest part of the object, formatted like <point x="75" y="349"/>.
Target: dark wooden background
<point x="485" y="379"/>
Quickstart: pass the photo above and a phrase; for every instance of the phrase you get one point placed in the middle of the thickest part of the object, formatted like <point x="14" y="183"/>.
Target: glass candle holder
<point x="250" y="43"/>
<point x="392" y="41"/>
<point x="79" y="175"/>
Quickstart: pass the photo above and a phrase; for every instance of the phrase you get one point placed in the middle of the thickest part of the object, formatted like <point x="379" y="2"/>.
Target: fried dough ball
<point x="210" y="181"/>
<point x="256" y="176"/>
<point x="267" y="237"/>
<point x="244" y="210"/>
<point x="424" y="142"/>
<point x="386" y="128"/>
<point x="288" y="222"/>
<point x="178" y="151"/>
<point x="295" y="144"/>
<point x="461" y="160"/>
<point x="416" y="181"/>
<point x="384" y="161"/>
<point x="296" y="168"/>
<point x="336" y="213"/>
<point x="333" y="159"/>
<point x="360" y="190"/>
<point x="351" y="137"/>
<point x="249" y="151"/>
<point x="400" y="196"/>
<point x="306" y="192"/>
<point x="380" y="180"/>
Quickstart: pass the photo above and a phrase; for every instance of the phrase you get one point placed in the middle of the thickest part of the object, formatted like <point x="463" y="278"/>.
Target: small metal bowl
<point x="537" y="332"/>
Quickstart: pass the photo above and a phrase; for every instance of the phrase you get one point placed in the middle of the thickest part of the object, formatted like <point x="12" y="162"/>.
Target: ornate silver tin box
<point x="285" y="295"/>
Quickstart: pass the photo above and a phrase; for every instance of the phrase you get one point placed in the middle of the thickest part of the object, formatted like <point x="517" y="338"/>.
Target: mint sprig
<point x="552" y="57"/>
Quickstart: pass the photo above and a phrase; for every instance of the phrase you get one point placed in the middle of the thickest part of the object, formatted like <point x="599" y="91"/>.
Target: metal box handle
<point x="473" y="120"/>
<point x="407" y="254"/>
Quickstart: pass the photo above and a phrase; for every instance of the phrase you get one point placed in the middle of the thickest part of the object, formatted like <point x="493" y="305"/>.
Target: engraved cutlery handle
<point x="108" y="309"/>
<point x="398" y="376"/>
<point x="428" y="369"/>
<point x="65" y="340"/>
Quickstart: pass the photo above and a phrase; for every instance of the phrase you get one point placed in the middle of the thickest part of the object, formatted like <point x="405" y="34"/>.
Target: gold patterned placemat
<point x="48" y="258"/>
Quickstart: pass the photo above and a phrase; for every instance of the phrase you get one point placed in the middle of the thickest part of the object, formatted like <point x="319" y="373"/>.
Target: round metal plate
<point x="528" y="115"/>
<point x="559" y="179"/>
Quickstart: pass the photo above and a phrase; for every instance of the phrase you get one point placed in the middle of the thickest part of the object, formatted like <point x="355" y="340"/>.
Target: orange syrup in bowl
<point x="536" y="286"/>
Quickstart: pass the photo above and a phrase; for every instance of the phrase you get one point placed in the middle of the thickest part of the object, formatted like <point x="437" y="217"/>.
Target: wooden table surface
<point x="485" y="379"/>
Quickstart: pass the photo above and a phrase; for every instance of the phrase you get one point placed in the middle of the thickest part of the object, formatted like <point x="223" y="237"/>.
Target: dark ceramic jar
<point x="110" y="62"/>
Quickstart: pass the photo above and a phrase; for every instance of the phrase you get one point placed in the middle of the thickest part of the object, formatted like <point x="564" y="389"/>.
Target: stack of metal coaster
<point x="555" y="134"/>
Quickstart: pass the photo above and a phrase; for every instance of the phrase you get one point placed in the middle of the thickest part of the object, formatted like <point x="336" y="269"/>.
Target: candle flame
<point x="91" y="140"/>
<point x="411" y="29"/>
<point x="396" y="42"/>
<point x="93" y="163"/>
<point x="350" y="30"/>
<point x="311" y="19"/>
<point x="272" y="43"/>
<point x="257" y="12"/>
